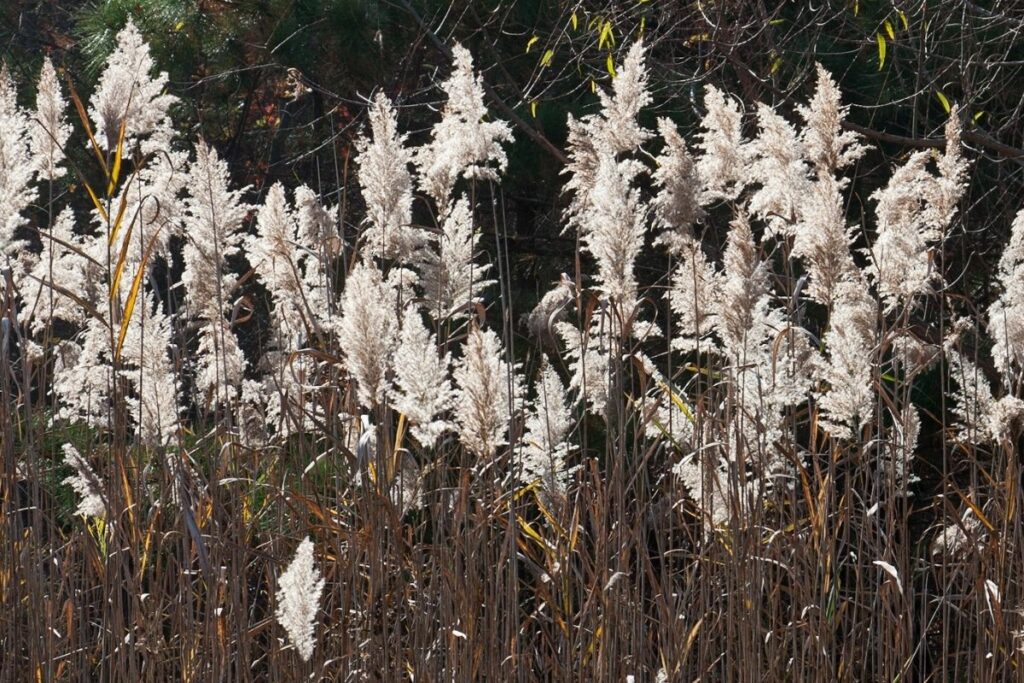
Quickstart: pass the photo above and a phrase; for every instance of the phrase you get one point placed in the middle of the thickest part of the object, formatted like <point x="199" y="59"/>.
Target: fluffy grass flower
<point x="488" y="390"/>
<point x="50" y="128"/>
<point x="422" y="389"/>
<point x="367" y="331"/>
<point x="463" y="143"/>
<point x="299" y="589"/>
<point x="387" y="187"/>
<point x="128" y="91"/>
<point x="85" y="483"/>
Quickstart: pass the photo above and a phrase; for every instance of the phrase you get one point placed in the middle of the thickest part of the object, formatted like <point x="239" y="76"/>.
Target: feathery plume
<point x="981" y="418"/>
<point x="213" y="219"/>
<point x="896" y="458"/>
<point x="128" y="91"/>
<point x="82" y="376"/>
<point x="551" y="308"/>
<point x="828" y="146"/>
<point x="16" y="171"/>
<point x="790" y="361"/>
<point x="154" y="205"/>
<point x="779" y="166"/>
<point x="617" y="128"/>
<point x="50" y="128"/>
<point x="771" y="361"/>
<point x="367" y="331"/>
<point x="589" y="363"/>
<point x="850" y="341"/>
<point x="613" y="229"/>
<point x="612" y="131"/>
<point x="422" y="390"/>
<point x="154" y="407"/>
<point x="695" y="288"/>
<point x="900" y="262"/>
<point x="743" y="286"/>
<point x="583" y="156"/>
<point x="220" y="363"/>
<point x="386" y="184"/>
<point x="914" y="212"/>
<point x="723" y="166"/>
<point x="706" y="479"/>
<point x="488" y="391"/>
<point x="316" y="238"/>
<point x="85" y="483"/>
<point x="822" y="238"/>
<point x="462" y="143"/>
<point x="547" y="425"/>
<point x="451" y="280"/>
<point x="953" y="168"/>
<point x="1006" y="315"/>
<point x="676" y="206"/>
<point x="955" y="538"/>
<point x="274" y="256"/>
<point x="61" y="266"/>
<point x="280" y="402"/>
<point x="912" y="354"/>
<point x="666" y="412"/>
<point x="298" y="599"/>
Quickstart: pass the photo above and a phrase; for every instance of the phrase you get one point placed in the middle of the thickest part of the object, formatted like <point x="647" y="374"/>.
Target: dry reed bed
<point x="715" y="476"/>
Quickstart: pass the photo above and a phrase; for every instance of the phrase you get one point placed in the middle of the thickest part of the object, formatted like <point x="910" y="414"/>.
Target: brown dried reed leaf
<point x="397" y="451"/>
<point x="126" y="491"/>
<point x="147" y="543"/>
<point x="84" y="118"/>
<point x="86" y="306"/>
<point x="547" y="514"/>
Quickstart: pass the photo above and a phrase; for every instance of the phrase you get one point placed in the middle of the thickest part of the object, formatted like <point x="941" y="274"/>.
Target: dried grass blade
<point x="122" y="207"/>
<point x="122" y="257"/>
<point x="80" y="108"/>
<point x="133" y="295"/>
<point x="86" y="306"/>
<point x="115" y="172"/>
<point x="95" y="200"/>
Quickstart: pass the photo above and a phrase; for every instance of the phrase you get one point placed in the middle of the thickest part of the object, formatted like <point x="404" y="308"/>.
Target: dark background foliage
<point x="238" y="66"/>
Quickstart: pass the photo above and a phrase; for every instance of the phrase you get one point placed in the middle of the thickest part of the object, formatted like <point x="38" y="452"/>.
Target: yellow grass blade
<point x="547" y="514"/>
<point x="692" y="636"/>
<point x="115" y="172"/>
<point x="531" y="532"/>
<point x="978" y="513"/>
<point x="133" y="295"/>
<point x="395" y="454"/>
<point x="96" y="201"/>
<point x="117" y="221"/>
<point x="122" y="257"/>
